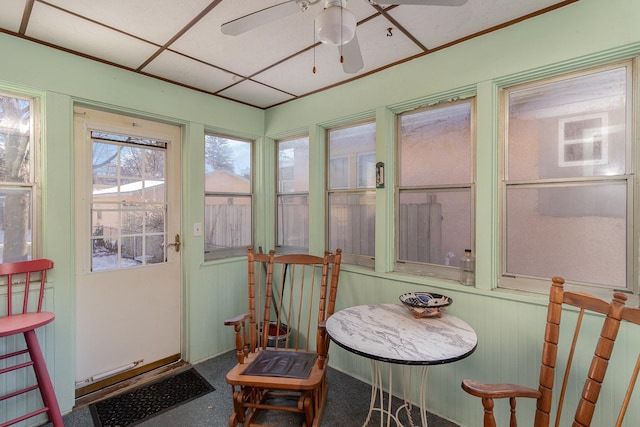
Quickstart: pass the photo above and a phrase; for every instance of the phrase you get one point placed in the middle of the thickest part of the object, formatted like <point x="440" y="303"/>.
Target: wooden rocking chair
<point x="283" y="354"/>
<point x="614" y="312"/>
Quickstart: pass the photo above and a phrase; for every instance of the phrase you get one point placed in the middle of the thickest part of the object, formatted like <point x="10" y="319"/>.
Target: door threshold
<point x="129" y="383"/>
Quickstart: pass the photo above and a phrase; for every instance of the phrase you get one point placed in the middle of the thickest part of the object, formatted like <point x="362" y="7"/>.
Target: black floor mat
<point x="144" y="402"/>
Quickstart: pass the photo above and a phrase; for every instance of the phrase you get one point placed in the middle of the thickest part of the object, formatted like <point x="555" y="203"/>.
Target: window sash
<point x="292" y="195"/>
<point x="351" y="207"/>
<point x="431" y="206"/>
<point x="587" y="187"/>
<point x="228" y="216"/>
<point x="20" y="242"/>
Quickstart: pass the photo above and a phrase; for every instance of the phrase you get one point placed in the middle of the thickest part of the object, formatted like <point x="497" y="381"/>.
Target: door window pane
<point x="128" y="209"/>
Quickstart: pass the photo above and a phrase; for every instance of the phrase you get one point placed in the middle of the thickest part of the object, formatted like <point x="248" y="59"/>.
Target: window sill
<point x="534" y="295"/>
<point x="605" y="294"/>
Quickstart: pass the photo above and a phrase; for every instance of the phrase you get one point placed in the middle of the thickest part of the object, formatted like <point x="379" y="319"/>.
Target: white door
<point x="128" y="271"/>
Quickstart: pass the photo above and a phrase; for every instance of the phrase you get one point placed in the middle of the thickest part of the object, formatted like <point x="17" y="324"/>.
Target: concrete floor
<point x="347" y="404"/>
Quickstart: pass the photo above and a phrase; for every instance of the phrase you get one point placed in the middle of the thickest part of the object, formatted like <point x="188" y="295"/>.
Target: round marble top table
<point x="390" y="333"/>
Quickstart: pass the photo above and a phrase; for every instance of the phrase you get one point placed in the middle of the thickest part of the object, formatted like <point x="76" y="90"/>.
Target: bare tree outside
<point x="218" y="154"/>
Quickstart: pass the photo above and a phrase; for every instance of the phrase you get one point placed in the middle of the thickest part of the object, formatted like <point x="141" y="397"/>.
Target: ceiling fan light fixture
<point x="336" y="25"/>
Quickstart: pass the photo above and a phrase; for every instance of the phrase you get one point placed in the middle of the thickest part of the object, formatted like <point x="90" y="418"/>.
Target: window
<point x="567" y="184"/>
<point x="18" y="178"/>
<point x="351" y="219"/>
<point x="228" y="196"/>
<point x="128" y="201"/>
<point x="435" y="188"/>
<point x="293" y="195"/>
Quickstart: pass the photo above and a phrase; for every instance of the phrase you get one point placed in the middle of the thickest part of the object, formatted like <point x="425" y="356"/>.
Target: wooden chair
<point x="283" y="353"/>
<point x="614" y="313"/>
<point x="25" y="319"/>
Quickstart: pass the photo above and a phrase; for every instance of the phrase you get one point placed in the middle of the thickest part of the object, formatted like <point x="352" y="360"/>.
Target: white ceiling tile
<point x="296" y="75"/>
<point x="277" y="54"/>
<point x="172" y="66"/>
<point x="268" y="44"/>
<point x="379" y="49"/>
<point x="154" y="20"/>
<point x="11" y="14"/>
<point x="255" y="94"/>
<point x="440" y="25"/>
<point x="79" y="35"/>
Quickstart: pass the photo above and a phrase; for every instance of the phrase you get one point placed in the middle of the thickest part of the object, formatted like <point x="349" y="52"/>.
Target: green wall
<point x="60" y="80"/>
<point x="509" y="326"/>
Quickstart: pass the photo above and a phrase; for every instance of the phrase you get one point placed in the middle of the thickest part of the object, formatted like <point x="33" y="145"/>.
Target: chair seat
<point x="235" y="377"/>
<point x="19" y="323"/>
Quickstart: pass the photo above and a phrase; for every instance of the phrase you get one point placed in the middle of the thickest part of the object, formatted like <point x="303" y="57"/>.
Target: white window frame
<point x="348" y="258"/>
<point x="280" y="193"/>
<point x="240" y="250"/>
<point x="540" y="284"/>
<point x="33" y="185"/>
<point x="451" y="271"/>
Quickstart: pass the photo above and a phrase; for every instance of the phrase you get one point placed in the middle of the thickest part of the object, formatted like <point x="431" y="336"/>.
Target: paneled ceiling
<point x="180" y="41"/>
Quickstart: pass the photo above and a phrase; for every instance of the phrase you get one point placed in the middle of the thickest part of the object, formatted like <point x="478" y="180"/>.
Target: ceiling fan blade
<point x="259" y="18"/>
<point x="424" y="2"/>
<point x="352" y="56"/>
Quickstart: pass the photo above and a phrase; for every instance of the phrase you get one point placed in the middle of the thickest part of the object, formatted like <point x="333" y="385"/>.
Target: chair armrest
<point x="236" y="320"/>
<point x="488" y="392"/>
<point x="242" y="346"/>
<point x="498" y="391"/>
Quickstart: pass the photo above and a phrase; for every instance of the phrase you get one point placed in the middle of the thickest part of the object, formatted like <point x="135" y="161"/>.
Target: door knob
<point x="176" y="243"/>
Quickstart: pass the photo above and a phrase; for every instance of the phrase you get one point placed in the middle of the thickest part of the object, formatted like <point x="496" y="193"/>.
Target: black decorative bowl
<point x="425" y="304"/>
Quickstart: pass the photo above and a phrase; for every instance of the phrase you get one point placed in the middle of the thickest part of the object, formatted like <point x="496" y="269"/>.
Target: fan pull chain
<point x="314" y="46"/>
<point x="341" y="28"/>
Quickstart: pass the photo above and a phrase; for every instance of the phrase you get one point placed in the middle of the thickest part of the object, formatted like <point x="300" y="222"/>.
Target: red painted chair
<point x="25" y="320"/>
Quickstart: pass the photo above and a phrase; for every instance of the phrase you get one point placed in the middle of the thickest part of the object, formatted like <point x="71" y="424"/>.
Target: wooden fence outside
<point x="351" y="227"/>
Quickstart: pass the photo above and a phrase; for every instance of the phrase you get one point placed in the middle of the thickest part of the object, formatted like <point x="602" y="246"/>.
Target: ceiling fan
<point x="335" y="25"/>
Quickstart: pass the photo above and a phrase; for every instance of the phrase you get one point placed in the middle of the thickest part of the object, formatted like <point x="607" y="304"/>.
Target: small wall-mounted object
<point x="380" y="175"/>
